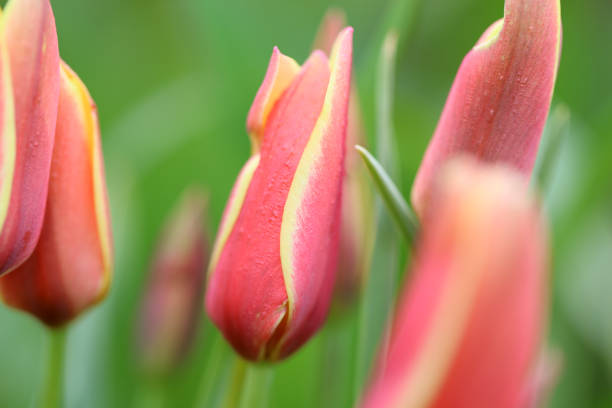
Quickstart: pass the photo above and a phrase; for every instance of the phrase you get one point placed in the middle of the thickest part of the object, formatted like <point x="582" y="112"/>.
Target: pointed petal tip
<point x="279" y="75"/>
<point x="500" y="98"/>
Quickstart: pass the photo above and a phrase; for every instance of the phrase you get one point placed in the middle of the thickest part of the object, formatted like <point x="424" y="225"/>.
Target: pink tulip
<point x="71" y="266"/>
<point x="29" y="96"/>
<point x="172" y="305"/>
<point x="499" y="101"/>
<point x="469" y="326"/>
<point x="273" y="265"/>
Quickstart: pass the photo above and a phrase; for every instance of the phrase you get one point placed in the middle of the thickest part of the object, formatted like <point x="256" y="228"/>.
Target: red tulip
<point x="357" y="207"/>
<point x="498" y="104"/>
<point x="70" y="268"/>
<point x="272" y="269"/>
<point x="29" y="98"/>
<point x="468" y="329"/>
<point x="172" y="305"/>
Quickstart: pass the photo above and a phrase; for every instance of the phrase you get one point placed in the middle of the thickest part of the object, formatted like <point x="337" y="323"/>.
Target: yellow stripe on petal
<point x="472" y="274"/>
<point x="309" y="164"/>
<point x="92" y="135"/>
<point x="490" y="35"/>
<point x="9" y="142"/>
<point x="281" y="72"/>
<point x="443" y="339"/>
<point x="233" y="209"/>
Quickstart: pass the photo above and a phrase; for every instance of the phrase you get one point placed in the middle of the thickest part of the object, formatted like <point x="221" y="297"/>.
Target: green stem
<point x="256" y="388"/>
<point x="211" y="374"/>
<point x="151" y="393"/>
<point x="234" y="391"/>
<point x="53" y="385"/>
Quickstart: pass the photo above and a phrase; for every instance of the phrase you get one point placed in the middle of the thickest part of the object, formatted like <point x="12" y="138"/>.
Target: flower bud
<point x="71" y="266"/>
<point x="29" y="98"/>
<point x="499" y="101"/>
<point x="272" y="269"/>
<point x="357" y="207"/>
<point x="469" y="326"/>
<point x="172" y="305"/>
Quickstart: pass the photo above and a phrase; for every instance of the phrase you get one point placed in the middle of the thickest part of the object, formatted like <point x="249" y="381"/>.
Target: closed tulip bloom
<point x="70" y="268"/>
<point x="469" y="326"/>
<point x="273" y="265"/>
<point x="499" y="101"/>
<point x="29" y="82"/>
<point x="357" y="207"/>
<point x="172" y="305"/>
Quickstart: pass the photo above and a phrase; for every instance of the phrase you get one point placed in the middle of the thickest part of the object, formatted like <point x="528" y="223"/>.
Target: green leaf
<point x="555" y="133"/>
<point x="396" y="204"/>
<point x="380" y="286"/>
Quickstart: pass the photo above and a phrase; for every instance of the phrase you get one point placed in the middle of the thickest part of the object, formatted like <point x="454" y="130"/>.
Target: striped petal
<point x="357" y="207"/>
<point x="311" y="218"/>
<point x="468" y="329"/>
<point x="251" y="296"/>
<point x="500" y="99"/>
<point x="29" y="41"/>
<point x="70" y="269"/>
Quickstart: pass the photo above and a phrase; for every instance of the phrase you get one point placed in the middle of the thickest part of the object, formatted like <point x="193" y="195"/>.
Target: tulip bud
<point x="30" y="88"/>
<point x="272" y="270"/>
<point x="498" y="104"/>
<point x="468" y="329"/>
<point x="171" y="308"/>
<point x="70" y="268"/>
<point x="357" y="208"/>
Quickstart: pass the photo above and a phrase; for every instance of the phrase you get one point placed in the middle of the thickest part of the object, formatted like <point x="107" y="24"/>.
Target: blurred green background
<point x="174" y="80"/>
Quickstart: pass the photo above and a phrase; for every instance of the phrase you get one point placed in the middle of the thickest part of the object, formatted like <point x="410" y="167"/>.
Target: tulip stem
<point x="151" y="394"/>
<point x="215" y="366"/>
<point x="256" y="387"/>
<point x="234" y="391"/>
<point x="53" y="385"/>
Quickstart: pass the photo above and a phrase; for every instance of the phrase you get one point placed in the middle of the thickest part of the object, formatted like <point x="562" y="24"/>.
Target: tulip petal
<point x="311" y="214"/>
<point x="31" y="41"/>
<point x="282" y="70"/>
<point x="71" y="267"/>
<point x="356" y="224"/>
<point x="232" y="209"/>
<point x="246" y="296"/>
<point x="468" y="331"/>
<point x="499" y="101"/>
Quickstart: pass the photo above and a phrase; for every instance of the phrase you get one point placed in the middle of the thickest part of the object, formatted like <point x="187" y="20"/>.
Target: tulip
<point x="172" y="305"/>
<point x="357" y="208"/>
<point x="273" y="265"/>
<point x="467" y="331"/>
<point x="70" y="268"/>
<point x="30" y="81"/>
<point x="498" y="104"/>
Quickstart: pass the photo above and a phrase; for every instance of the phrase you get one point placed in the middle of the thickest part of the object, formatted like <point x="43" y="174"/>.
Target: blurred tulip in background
<point x="172" y="306"/>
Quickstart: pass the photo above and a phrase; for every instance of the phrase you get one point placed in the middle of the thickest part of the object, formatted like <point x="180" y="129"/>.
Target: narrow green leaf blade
<point x="395" y="202"/>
